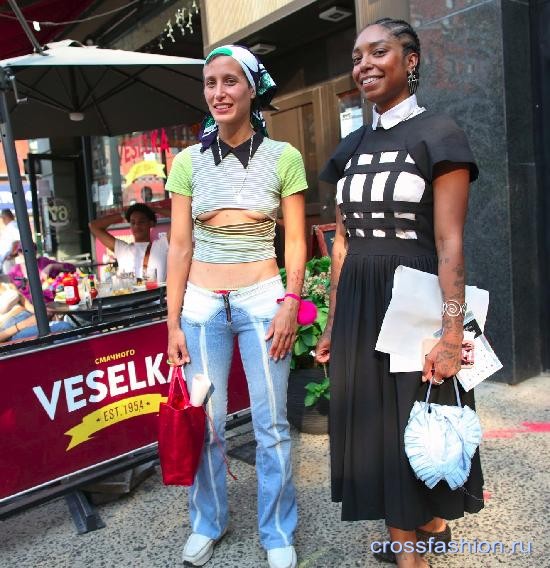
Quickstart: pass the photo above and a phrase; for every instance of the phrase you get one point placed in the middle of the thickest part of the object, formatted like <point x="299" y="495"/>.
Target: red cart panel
<point x="71" y="406"/>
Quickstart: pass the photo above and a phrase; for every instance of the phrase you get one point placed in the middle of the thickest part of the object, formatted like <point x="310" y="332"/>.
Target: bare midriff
<point x="219" y="276"/>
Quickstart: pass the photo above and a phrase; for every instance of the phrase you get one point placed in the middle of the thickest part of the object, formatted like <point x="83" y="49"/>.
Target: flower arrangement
<point x="316" y="288"/>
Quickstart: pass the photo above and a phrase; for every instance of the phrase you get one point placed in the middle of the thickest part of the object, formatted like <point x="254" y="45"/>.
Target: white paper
<point x="415" y="313"/>
<point x="486" y="363"/>
<point x="399" y="364"/>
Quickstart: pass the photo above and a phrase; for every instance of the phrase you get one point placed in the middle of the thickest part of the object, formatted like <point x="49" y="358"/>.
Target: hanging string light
<point x="180" y="19"/>
<point x="170" y="32"/>
<point x="183" y="19"/>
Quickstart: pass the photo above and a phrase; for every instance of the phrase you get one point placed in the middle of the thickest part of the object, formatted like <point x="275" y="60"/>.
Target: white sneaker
<point x="199" y="549"/>
<point x="282" y="557"/>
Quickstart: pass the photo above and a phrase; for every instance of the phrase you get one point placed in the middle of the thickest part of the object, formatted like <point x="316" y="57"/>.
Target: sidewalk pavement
<point x="148" y="527"/>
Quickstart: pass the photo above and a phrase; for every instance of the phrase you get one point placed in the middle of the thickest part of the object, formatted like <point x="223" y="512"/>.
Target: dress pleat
<point x="370" y="407"/>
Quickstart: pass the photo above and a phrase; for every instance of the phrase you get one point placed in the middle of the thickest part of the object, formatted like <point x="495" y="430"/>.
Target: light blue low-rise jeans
<point x="210" y="321"/>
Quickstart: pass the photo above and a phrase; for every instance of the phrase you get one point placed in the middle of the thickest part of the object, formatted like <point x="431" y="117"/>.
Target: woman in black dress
<point x="402" y="195"/>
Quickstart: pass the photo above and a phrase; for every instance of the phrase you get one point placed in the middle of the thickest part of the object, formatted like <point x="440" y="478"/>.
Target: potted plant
<point x="308" y="384"/>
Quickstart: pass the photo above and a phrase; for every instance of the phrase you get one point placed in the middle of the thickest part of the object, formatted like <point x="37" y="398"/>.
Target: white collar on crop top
<point x="404" y="110"/>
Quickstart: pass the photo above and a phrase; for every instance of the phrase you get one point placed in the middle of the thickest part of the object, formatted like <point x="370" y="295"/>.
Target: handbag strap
<point x="218" y="442"/>
<point x="177" y="374"/>
<point x="458" y="402"/>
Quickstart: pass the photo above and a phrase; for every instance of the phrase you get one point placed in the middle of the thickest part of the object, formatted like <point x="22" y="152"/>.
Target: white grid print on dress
<point x="406" y="186"/>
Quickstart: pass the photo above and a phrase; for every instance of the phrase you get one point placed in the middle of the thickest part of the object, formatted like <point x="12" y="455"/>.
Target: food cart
<point x="82" y="404"/>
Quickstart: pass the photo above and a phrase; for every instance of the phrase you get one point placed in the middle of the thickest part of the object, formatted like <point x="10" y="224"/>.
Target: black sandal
<point x="385" y="556"/>
<point x="440" y="536"/>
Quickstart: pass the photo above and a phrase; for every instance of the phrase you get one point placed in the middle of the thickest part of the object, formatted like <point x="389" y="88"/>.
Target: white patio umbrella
<point x="67" y="89"/>
<point x="76" y="90"/>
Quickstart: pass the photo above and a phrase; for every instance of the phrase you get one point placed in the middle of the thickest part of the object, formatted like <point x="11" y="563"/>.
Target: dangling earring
<point x="412" y="80"/>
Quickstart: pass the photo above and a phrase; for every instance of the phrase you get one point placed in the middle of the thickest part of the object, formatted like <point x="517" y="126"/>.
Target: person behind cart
<point x="143" y="254"/>
<point x="9" y="241"/>
<point x="17" y="320"/>
<point x="48" y="269"/>
<point x="228" y="189"/>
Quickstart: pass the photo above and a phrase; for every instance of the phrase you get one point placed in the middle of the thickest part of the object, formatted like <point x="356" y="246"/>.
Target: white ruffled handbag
<point x="440" y="441"/>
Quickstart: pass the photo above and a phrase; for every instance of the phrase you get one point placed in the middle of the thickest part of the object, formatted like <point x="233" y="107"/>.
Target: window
<point x="132" y="168"/>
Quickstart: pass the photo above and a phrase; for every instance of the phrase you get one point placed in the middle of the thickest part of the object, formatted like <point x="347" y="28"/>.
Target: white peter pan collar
<point x="403" y="111"/>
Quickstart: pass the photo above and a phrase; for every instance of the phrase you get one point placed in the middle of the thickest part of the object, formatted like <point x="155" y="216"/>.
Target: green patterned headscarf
<point x="260" y="80"/>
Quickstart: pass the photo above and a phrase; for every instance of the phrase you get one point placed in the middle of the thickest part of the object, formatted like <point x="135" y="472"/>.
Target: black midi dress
<point x="383" y="180"/>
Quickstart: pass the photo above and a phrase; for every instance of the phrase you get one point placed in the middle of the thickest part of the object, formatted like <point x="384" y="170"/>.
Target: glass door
<point x="59" y="205"/>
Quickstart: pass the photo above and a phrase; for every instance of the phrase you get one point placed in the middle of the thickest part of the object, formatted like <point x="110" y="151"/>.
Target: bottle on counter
<point x="70" y="284"/>
<point x="93" y="289"/>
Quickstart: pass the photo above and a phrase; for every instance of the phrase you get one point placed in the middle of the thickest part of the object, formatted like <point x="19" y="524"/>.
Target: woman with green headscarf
<point x="226" y="191"/>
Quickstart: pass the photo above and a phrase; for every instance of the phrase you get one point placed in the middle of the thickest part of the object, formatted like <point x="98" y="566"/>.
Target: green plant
<point x="316" y="391"/>
<point x="316" y="288"/>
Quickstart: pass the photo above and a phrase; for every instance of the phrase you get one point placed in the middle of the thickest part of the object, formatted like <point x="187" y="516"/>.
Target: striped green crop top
<point x="276" y="170"/>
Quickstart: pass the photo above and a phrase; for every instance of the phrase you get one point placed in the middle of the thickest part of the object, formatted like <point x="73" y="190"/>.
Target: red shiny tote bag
<point x="181" y="433"/>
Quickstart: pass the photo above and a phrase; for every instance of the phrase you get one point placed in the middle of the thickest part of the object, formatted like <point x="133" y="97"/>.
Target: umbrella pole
<point x="21" y="19"/>
<point x="16" y="185"/>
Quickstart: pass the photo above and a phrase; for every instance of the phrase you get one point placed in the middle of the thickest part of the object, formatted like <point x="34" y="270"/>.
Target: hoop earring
<point x="412" y="81"/>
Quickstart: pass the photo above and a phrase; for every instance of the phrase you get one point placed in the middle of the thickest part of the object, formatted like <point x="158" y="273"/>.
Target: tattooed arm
<point x="339" y="251"/>
<point x="283" y="326"/>
<point x="450" y="185"/>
